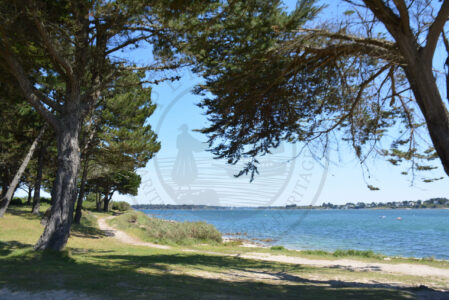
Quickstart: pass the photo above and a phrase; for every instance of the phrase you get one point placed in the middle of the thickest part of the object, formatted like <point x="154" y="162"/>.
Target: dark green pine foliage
<point x="125" y="141"/>
<point x="270" y="78"/>
<point x="252" y="100"/>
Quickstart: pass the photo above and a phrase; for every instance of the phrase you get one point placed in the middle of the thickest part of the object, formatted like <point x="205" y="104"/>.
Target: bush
<point x="121" y="206"/>
<point x="277" y="248"/>
<point x="360" y="253"/>
<point x="316" y="252"/>
<point x="45" y="200"/>
<point x="169" y="232"/>
<point x="16" y="202"/>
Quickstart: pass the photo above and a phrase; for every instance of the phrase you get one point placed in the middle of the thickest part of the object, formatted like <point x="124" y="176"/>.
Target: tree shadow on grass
<point x="151" y="276"/>
<point x="85" y="231"/>
<point x="7" y="248"/>
<point x="21" y="212"/>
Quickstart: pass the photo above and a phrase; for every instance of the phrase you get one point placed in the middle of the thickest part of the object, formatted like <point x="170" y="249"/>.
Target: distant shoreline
<point x="281" y="208"/>
<point x="434" y="203"/>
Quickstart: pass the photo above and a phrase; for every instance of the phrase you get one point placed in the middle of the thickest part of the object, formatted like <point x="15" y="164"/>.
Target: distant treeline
<point x="431" y="203"/>
<point x="181" y="206"/>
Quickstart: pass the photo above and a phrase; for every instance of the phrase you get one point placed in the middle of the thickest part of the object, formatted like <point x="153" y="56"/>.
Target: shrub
<point x="45" y="200"/>
<point x="316" y="252"/>
<point x="132" y="218"/>
<point x="16" y="202"/>
<point x="121" y="206"/>
<point x="277" y="248"/>
<point x="360" y="253"/>
<point x="164" y="231"/>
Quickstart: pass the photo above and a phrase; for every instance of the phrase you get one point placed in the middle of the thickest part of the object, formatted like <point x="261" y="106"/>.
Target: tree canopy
<point x="368" y="76"/>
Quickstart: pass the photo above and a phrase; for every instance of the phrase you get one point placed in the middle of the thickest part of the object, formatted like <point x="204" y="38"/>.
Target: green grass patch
<point x="166" y="232"/>
<point x="277" y="248"/>
<point x="102" y="266"/>
<point x="357" y="253"/>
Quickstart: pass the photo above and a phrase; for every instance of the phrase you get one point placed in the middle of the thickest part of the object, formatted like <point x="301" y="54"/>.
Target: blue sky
<point x="301" y="181"/>
<point x="344" y="180"/>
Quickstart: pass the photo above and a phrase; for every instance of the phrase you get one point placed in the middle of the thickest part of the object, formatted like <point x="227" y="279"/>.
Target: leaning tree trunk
<point x="37" y="183"/>
<point x="57" y="230"/>
<point x="79" y="203"/>
<point x="418" y="68"/>
<point x="13" y="185"/>
<point x="423" y="84"/>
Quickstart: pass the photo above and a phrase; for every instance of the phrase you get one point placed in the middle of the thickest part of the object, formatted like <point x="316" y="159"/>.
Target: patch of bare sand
<point x="355" y="265"/>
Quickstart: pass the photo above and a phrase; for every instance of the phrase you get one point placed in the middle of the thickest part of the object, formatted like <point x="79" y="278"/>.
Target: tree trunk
<point x="98" y="201"/>
<point x="428" y="97"/>
<point x="57" y="230"/>
<point x="30" y="191"/>
<point x="419" y="70"/>
<point x="106" y="203"/>
<point x="79" y="203"/>
<point x="5" y="182"/>
<point x="13" y="185"/>
<point x="37" y="183"/>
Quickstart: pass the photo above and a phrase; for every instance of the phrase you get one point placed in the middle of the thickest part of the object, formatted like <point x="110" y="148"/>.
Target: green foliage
<point x="277" y="248"/>
<point x="270" y="78"/>
<point x="121" y="205"/>
<point x="233" y="51"/>
<point x="361" y="253"/>
<point x="17" y="201"/>
<point x="167" y="232"/>
<point x="123" y="139"/>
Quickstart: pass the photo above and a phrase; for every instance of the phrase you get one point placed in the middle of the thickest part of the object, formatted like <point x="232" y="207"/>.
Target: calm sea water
<point x="419" y="233"/>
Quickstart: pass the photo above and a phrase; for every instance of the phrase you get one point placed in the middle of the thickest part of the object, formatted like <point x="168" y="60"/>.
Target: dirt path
<point x="354" y="265"/>
<point x="348" y="264"/>
<point x="123" y="236"/>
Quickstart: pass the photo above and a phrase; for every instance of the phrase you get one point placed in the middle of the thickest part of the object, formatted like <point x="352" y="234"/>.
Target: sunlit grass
<point x="100" y="265"/>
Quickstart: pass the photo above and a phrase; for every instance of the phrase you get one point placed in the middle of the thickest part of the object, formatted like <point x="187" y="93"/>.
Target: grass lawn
<point x="101" y="266"/>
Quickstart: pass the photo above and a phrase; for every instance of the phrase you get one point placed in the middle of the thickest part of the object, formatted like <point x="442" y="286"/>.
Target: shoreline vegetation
<point x="169" y="232"/>
<point x="121" y="255"/>
<point x="434" y="203"/>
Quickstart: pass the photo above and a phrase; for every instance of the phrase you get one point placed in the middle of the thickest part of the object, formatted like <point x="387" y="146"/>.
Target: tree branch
<point x="127" y="43"/>
<point x="27" y="88"/>
<point x="68" y="71"/>
<point x="435" y="30"/>
<point x="404" y="16"/>
<point x="386" y="15"/>
<point x="347" y="37"/>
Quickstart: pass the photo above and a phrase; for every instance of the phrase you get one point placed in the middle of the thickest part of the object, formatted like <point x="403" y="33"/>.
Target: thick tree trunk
<point x="37" y="183"/>
<point x="419" y="68"/>
<point x="14" y="183"/>
<point x="428" y="97"/>
<point x="79" y="203"/>
<point x="57" y="230"/>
